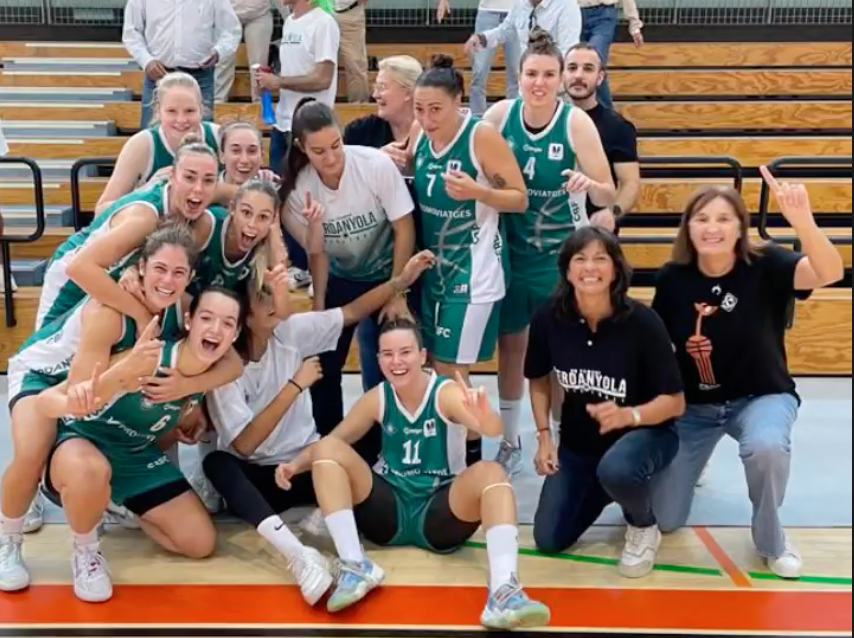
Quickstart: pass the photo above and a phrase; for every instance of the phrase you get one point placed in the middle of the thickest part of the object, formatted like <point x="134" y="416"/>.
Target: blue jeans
<point x="763" y="428"/>
<point x="280" y="144"/>
<point x="599" y="28"/>
<point x="584" y="486"/>
<point x="205" y="78"/>
<point x="482" y="62"/>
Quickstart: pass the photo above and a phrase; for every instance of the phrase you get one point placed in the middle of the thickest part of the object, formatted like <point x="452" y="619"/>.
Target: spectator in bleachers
<point x="600" y="20"/>
<point x="490" y="14"/>
<point x="560" y="18"/>
<point x="4" y="150"/>
<point x="726" y="302"/>
<point x="180" y="35"/>
<point x="352" y="22"/>
<point x="256" y="18"/>
<point x="584" y="74"/>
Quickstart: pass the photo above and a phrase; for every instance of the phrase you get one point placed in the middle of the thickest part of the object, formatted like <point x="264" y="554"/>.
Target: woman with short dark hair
<point x="726" y="302"/>
<point x="623" y="392"/>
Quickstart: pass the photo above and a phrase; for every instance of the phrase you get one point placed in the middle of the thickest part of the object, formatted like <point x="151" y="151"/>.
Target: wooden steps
<point x="760" y="54"/>
<point x="653" y="83"/>
<point x="819" y="344"/>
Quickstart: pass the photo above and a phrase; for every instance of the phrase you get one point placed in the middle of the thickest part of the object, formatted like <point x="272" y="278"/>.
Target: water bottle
<point x="268" y="112"/>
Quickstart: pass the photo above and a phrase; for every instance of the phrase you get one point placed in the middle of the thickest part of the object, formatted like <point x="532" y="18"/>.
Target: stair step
<point x="69" y="65"/>
<point x="25" y="217"/>
<point x="28" y="272"/>
<point x="46" y="131"/>
<point x="52" y="170"/>
<point x="54" y="95"/>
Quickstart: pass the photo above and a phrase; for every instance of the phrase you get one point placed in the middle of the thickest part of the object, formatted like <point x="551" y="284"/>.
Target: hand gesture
<point x="284" y="475"/>
<point x="793" y="199"/>
<point x="309" y="373"/>
<point x="637" y="36"/>
<point x="211" y="61"/>
<point x="443" y="10"/>
<point x="475" y="400"/>
<point x="416" y="267"/>
<point x="266" y="175"/>
<point x="267" y="81"/>
<point x="577" y="182"/>
<point x="277" y="279"/>
<point x="155" y="70"/>
<point x="163" y="175"/>
<point x="83" y="398"/>
<point x="611" y="417"/>
<point x="546" y="462"/>
<point x="131" y="283"/>
<point x="461" y="187"/>
<point x="397" y="152"/>
<point x="192" y="428"/>
<point x="397" y="308"/>
<point x="473" y="45"/>
<point x="167" y="386"/>
<point x="312" y="210"/>
<point x="604" y="219"/>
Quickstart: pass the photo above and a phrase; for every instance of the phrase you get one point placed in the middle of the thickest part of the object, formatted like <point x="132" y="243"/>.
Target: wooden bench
<point x="819" y="344"/>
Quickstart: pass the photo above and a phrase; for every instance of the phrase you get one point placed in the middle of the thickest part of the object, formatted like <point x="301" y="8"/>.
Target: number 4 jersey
<point x="421" y="452"/>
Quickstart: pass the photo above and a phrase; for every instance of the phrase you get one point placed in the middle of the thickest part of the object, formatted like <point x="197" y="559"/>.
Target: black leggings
<point x="250" y="490"/>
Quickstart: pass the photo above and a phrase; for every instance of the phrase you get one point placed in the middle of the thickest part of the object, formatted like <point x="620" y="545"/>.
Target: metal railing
<point x="79" y="165"/>
<point x="6" y="241"/>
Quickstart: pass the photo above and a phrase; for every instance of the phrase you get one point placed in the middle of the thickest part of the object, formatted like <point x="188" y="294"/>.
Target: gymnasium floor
<point x="708" y="581"/>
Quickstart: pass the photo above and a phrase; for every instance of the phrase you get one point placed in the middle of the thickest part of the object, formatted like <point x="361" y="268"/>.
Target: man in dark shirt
<point x="585" y="73"/>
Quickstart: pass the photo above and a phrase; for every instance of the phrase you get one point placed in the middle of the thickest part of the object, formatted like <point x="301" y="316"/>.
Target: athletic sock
<point x="502" y="547"/>
<point x="511" y="413"/>
<point x="474" y="452"/>
<point x="86" y="540"/>
<point x="342" y="528"/>
<point x="275" y="532"/>
<point x="11" y="526"/>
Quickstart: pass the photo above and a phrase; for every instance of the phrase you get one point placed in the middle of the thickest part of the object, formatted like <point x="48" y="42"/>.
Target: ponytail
<point x="310" y="116"/>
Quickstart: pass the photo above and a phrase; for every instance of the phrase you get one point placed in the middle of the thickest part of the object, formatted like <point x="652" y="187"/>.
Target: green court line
<point x="815" y="580"/>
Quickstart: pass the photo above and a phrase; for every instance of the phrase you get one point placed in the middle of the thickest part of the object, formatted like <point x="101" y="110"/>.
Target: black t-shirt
<point x="628" y="360"/>
<point x="730" y="332"/>
<point x="370" y="130"/>
<point x="619" y="137"/>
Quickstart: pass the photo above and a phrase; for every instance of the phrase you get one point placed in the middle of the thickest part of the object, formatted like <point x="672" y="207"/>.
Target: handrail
<point x="815" y="164"/>
<point x="78" y="166"/>
<point x="6" y="241"/>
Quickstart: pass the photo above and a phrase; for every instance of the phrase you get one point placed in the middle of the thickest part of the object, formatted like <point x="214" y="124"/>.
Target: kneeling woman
<point x="265" y="418"/>
<point x="113" y="453"/>
<point x="422" y="495"/>
<point x="614" y="360"/>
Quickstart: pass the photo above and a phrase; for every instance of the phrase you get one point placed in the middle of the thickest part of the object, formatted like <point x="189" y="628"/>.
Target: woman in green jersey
<point x="112" y="453"/>
<point x="151" y="152"/>
<point x="563" y="161"/>
<point x="421" y="494"/>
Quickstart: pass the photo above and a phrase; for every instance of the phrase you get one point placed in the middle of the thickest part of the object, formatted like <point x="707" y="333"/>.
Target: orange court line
<point x="738" y="577"/>
<point x="642" y="609"/>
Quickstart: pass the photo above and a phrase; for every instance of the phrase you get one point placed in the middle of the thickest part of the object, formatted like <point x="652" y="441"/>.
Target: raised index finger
<point x="769" y="178"/>
<point x="150" y="331"/>
<point x="458" y="376"/>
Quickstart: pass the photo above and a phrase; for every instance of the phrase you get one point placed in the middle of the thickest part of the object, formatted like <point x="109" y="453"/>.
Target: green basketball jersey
<point x="59" y="293"/>
<point x="422" y="452"/>
<point x="552" y="213"/>
<point x="130" y="422"/>
<point x="464" y="236"/>
<point x="214" y="267"/>
<point x="162" y="156"/>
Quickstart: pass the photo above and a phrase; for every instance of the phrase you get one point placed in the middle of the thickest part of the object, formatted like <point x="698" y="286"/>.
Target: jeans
<point x="205" y="78"/>
<point x="584" y="486"/>
<point x="763" y="428"/>
<point x="280" y="144"/>
<point x="482" y="62"/>
<point x="599" y="28"/>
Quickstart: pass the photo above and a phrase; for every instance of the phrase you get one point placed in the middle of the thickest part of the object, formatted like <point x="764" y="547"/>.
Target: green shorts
<point x="527" y="293"/>
<point x="134" y="472"/>
<point x="461" y="334"/>
<point x="26" y="383"/>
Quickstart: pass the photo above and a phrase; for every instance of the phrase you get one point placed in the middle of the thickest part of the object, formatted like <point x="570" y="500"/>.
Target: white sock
<point x="342" y="528"/>
<point x="502" y="547"/>
<point x="11" y="526"/>
<point x="511" y="413"/>
<point x="279" y="536"/>
<point x="172" y="455"/>
<point x="85" y="540"/>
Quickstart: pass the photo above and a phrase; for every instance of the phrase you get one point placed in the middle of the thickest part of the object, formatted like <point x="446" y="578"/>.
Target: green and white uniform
<point x="421" y="454"/>
<point x="126" y="430"/>
<point x="535" y="238"/>
<point x="214" y="268"/>
<point x="43" y="360"/>
<point x="162" y="156"/>
<point x="59" y="293"/>
<point x="461" y="293"/>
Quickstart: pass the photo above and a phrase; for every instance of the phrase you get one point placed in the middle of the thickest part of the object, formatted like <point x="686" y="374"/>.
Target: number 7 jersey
<point x="421" y="452"/>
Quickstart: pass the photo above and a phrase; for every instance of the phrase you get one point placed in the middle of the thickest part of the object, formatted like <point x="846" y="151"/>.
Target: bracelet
<point x="637" y="418"/>
<point x="297" y="386"/>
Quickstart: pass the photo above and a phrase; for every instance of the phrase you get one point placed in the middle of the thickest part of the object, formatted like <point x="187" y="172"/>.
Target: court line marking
<point x="738" y="577"/>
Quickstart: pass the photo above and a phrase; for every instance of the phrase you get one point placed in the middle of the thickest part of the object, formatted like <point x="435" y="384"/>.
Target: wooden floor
<point x="707" y="581"/>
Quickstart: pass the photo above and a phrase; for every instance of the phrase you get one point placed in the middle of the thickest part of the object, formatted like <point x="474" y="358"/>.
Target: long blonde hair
<point x="171" y="81"/>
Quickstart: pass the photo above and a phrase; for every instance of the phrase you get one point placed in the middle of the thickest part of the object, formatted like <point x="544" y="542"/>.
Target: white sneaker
<point x="789" y="566"/>
<point x="92" y="581"/>
<point x="298" y="278"/>
<point x="34" y="518"/>
<point x="13" y="571"/>
<point x="641" y="550"/>
<point x="118" y="516"/>
<point x="204" y="489"/>
<point x="312" y="573"/>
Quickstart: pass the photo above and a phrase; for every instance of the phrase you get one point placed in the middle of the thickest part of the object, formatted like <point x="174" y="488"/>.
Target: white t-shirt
<point x="234" y="406"/>
<point x="502" y="6"/>
<point x="306" y="41"/>
<point x="359" y="215"/>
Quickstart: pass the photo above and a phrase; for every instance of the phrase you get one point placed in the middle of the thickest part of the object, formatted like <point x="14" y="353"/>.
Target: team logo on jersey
<point x="556" y="152"/>
<point x="429" y="428"/>
<point x="454" y="165"/>
<point x="218" y="282"/>
<point x="390" y="429"/>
